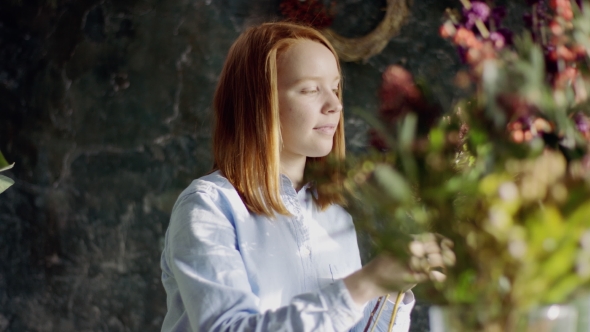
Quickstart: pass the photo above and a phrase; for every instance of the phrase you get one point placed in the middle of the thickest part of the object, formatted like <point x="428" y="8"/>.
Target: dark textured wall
<point x="105" y="108"/>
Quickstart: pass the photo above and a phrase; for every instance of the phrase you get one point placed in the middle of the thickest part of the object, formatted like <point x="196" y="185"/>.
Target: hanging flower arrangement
<point x="316" y="14"/>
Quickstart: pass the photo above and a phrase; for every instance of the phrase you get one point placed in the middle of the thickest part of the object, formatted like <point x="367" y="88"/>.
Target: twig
<point x="398" y="300"/>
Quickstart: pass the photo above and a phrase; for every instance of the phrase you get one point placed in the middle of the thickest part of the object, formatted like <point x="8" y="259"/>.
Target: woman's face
<point x="309" y="107"/>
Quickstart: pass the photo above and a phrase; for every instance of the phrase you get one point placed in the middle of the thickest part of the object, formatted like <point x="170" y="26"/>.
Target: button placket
<point x="303" y="238"/>
<point x="300" y="230"/>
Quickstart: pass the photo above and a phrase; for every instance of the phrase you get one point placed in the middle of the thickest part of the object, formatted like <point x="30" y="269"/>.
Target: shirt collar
<point x="288" y="188"/>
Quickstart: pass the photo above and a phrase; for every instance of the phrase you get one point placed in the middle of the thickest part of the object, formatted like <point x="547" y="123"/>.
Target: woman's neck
<point x="293" y="167"/>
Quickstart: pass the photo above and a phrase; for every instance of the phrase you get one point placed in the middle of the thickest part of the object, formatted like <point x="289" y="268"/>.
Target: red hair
<point x="247" y="136"/>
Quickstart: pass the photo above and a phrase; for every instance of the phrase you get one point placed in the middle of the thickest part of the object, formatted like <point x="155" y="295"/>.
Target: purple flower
<point x="582" y="123"/>
<point x="498" y="40"/>
<point x="479" y="10"/>
<point x="526" y="121"/>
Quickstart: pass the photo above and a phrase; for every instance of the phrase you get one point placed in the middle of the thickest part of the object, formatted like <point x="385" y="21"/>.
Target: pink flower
<point x="397" y="91"/>
<point x="498" y="40"/>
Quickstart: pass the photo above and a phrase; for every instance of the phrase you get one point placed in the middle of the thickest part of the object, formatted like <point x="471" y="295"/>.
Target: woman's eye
<point x="311" y="91"/>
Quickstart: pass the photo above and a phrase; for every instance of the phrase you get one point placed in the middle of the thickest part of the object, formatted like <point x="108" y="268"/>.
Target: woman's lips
<point x="326" y="129"/>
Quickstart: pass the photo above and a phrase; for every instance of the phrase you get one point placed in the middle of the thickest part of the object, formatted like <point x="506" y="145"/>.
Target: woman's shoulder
<point x="209" y="183"/>
<point x="213" y="187"/>
<point x="208" y="200"/>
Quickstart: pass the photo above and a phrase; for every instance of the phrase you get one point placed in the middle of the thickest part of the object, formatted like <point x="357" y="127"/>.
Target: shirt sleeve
<point x="402" y="318"/>
<point x="202" y="262"/>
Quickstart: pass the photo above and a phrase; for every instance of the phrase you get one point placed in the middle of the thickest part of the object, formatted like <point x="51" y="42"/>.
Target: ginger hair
<point x="247" y="133"/>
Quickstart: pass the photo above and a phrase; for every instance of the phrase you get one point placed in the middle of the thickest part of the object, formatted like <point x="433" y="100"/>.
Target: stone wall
<point x="105" y="108"/>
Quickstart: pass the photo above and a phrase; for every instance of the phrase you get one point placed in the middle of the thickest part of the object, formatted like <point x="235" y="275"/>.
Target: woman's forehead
<point x="308" y="59"/>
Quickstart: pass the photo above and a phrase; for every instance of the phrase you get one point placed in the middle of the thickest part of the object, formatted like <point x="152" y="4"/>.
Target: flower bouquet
<point x="495" y="188"/>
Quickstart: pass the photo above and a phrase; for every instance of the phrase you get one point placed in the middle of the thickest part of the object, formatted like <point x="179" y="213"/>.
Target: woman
<point x="251" y="246"/>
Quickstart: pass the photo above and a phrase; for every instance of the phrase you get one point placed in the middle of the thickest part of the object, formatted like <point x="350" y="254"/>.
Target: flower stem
<point x="398" y="300"/>
<point x="483" y="30"/>
<point x="466" y="4"/>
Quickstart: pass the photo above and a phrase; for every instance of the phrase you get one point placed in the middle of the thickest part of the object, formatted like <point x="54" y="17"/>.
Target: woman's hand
<point x="382" y="275"/>
<point x="431" y="254"/>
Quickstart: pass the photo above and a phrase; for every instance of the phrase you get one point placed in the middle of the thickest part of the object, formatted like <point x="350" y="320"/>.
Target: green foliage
<point x="5" y="182"/>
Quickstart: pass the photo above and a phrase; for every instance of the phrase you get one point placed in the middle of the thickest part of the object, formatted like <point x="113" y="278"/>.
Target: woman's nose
<point x="333" y="104"/>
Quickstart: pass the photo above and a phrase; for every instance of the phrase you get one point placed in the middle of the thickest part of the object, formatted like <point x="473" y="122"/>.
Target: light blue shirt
<point x="226" y="269"/>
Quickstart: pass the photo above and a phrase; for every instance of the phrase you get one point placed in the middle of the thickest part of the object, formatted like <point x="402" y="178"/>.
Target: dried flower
<point x="582" y="124"/>
<point x="563" y="8"/>
<point x="479" y="11"/>
<point x="466" y="38"/>
<point x="447" y="30"/>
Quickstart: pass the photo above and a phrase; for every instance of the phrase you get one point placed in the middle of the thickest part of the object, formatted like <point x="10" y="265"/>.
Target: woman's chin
<point x="320" y="152"/>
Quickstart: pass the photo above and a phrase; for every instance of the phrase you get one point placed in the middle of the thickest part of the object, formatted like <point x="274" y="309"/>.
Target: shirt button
<point x="306" y="251"/>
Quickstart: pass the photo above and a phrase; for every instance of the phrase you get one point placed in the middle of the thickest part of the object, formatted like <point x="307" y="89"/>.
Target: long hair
<point x="247" y="133"/>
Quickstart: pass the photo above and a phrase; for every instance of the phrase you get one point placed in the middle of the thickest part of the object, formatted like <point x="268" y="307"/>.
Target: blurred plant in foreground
<point x="504" y="174"/>
<point x="5" y="182"/>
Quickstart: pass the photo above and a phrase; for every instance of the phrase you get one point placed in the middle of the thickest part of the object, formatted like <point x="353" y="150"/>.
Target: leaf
<point x="537" y="74"/>
<point x="394" y="184"/>
<point x="580" y="216"/>
<point x="492" y="79"/>
<point x="3" y="162"/>
<point x="405" y="140"/>
<point x="408" y="131"/>
<point x="489" y="185"/>
<point x="6" y="167"/>
<point x="562" y="289"/>
<point x="5" y="183"/>
<point x="560" y="262"/>
<point x="545" y="228"/>
<point x="437" y="139"/>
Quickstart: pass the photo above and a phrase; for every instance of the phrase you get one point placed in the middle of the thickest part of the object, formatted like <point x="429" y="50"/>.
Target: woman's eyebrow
<point x="314" y="78"/>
